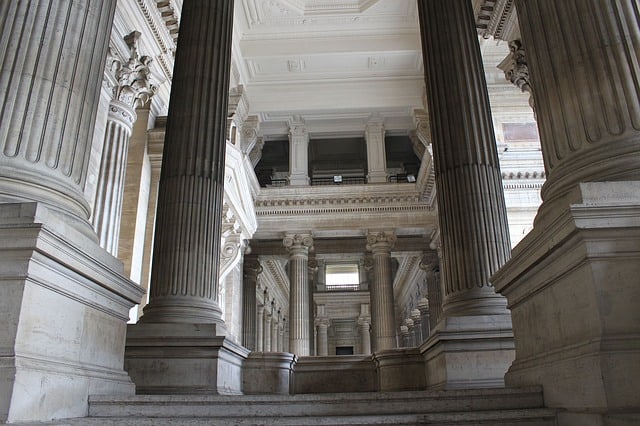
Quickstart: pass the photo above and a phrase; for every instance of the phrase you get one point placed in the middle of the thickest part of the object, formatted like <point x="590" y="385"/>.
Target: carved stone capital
<point x="296" y="242"/>
<point x="133" y="82"/>
<point x="380" y="240"/>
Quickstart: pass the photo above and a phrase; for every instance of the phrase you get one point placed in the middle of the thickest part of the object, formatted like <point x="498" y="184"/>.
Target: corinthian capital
<point x="383" y="238"/>
<point x="298" y="241"/>
<point x="133" y="85"/>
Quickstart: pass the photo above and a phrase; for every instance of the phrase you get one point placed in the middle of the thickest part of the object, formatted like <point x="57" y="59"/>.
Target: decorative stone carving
<point x="516" y="70"/>
<point x="132" y="88"/>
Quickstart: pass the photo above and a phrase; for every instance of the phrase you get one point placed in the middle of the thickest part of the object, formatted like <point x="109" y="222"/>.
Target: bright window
<point x="342" y="275"/>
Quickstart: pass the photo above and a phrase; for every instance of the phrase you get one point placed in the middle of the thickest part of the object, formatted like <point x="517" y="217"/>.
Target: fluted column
<point x="298" y="246"/>
<point x="268" y="318"/>
<point x="376" y="154"/>
<point x="322" y="325"/>
<point x="589" y="112"/>
<point x="381" y="291"/>
<point x="184" y="282"/>
<point x="298" y="152"/>
<point x="473" y="220"/>
<point x="133" y="89"/>
<point x="417" y="330"/>
<point x="51" y="70"/>
<point x="432" y="305"/>
<point x="260" y="329"/>
<point x="252" y="269"/>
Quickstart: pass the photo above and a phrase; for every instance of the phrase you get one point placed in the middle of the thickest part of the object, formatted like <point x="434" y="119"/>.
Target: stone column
<point x="64" y="299"/>
<point x="423" y="308"/>
<point x="260" y="329"/>
<point x="472" y="213"/>
<point x="298" y="152"/>
<point x="274" y="332"/>
<point x="572" y="284"/>
<point x="252" y="269"/>
<point x="183" y="300"/>
<point x="433" y="306"/>
<point x="281" y="336"/>
<point x="381" y="290"/>
<point x="184" y="281"/>
<point x="298" y="246"/>
<point x="364" y="327"/>
<point x="322" y="325"/>
<point x="133" y="89"/>
<point x="268" y="317"/>
<point x="417" y="331"/>
<point x="376" y="154"/>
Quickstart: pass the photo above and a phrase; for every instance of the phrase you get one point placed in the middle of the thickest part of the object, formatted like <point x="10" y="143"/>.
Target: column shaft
<point x="267" y="331"/>
<point x="299" y="311"/>
<point x="274" y="334"/>
<point x="365" y="337"/>
<point x="260" y="329"/>
<point x="252" y="269"/>
<point x="184" y="282"/>
<point x="381" y="290"/>
<point x="50" y="80"/>
<point x="323" y="338"/>
<point x="473" y="221"/>
<point x="588" y="76"/>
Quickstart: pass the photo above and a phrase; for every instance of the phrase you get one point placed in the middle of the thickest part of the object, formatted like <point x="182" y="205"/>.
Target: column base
<point x="377" y="177"/>
<point x="574" y="294"/>
<point x="469" y="352"/>
<point x="400" y="370"/>
<point x="268" y="373"/>
<point x="64" y="303"/>
<point x="175" y="358"/>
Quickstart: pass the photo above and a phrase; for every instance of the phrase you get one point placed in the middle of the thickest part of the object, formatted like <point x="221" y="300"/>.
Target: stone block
<point x="349" y="373"/>
<point x="64" y="304"/>
<point x="400" y="369"/>
<point x="268" y="373"/>
<point x="574" y="292"/>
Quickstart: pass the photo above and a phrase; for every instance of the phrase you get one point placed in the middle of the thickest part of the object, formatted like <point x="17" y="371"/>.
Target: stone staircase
<point x="522" y="407"/>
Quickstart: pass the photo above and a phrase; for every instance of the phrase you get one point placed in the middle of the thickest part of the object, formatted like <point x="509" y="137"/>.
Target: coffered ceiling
<point x="334" y="62"/>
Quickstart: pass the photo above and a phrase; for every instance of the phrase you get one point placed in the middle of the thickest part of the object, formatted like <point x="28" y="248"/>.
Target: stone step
<point x="532" y="417"/>
<point x="499" y="407"/>
<point x="347" y="404"/>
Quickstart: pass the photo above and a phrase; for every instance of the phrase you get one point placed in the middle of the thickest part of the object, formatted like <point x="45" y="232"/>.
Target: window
<point x="342" y="276"/>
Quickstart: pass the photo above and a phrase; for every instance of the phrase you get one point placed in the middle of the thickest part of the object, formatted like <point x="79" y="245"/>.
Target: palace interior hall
<point x="320" y="212"/>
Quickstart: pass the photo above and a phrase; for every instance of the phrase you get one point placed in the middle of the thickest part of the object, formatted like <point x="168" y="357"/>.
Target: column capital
<point x="297" y="127"/>
<point x="380" y="240"/>
<point x="134" y="86"/>
<point x="516" y="69"/>
<point x="364" y="321"/>
<point x="322" y="322"/>
<point x="295" y="243"/>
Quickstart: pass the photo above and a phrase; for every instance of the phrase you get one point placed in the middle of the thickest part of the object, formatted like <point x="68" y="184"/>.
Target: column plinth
<point x="298" y="246"/>
<point x="381" y="291"/>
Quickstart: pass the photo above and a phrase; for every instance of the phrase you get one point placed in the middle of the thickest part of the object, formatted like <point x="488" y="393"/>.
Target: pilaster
<point x="298" y="152"/>
<point x="376" y="154"/>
